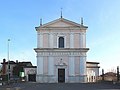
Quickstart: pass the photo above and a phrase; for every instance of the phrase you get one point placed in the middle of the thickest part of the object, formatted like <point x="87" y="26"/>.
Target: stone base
<point x="45" y="79"/>
<point x="77" y="79"/>
<point x="52" y="79"/>
<point x="83" y="79"/>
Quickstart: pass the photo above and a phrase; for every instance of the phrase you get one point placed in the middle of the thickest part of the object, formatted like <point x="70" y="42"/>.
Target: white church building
<point x="61" y="52"/>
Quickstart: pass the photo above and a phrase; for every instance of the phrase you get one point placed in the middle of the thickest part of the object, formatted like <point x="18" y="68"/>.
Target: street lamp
<point x="8" y="62"/>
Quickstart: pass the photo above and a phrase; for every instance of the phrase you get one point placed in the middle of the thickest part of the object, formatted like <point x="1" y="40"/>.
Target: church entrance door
<point x="61" y="75"/>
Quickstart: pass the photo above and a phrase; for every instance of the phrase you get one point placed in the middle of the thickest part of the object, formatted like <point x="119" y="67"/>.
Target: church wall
<point x="73" y="60"/>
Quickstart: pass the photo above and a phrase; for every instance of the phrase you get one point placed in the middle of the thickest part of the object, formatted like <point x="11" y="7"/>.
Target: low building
<point x="24" y="70"/>
<point x="92" y="71"/>
<point x="108" y="76"/>
<point x="30" y="73"/>
<point x="5" y="69"/>
<point x="20" y="67"/>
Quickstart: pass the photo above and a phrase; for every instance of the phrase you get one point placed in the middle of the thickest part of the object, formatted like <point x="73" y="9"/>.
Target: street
<point x="61" y="86"/>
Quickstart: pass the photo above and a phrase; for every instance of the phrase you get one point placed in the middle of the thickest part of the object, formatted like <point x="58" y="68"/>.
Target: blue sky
<point x="18" y="19"/>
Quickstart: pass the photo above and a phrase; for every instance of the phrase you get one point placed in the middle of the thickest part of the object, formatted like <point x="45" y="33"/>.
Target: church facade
<point x="61" y="52"/>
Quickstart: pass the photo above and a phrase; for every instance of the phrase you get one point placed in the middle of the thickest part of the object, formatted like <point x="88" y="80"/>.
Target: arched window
<point x="61" y="42"/>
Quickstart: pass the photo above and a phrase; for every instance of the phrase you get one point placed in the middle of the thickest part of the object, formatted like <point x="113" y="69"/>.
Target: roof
<point x="30" y="67"/>
<point x="25" y="63"/>
<point x="110" y="74"/>
<point x="20" y="63"/>
<point x="92" y="62"/>
<point x="10" y="62"/>
<point x="61" y="22"/>
<point x="93" y="66"/>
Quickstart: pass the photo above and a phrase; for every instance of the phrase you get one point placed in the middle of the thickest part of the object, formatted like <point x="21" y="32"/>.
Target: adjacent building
<point x="92" y="71"/>
<point x="5" y="67"/>
<point x="24" y="70"/>
<point x="30" y="73"/>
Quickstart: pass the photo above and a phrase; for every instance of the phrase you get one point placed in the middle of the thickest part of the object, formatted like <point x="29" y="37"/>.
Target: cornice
<point x="60" y="33"/>
<point x="60" y="28"/>
<point x="62" y="49"/>
<point x="61" y="52"/>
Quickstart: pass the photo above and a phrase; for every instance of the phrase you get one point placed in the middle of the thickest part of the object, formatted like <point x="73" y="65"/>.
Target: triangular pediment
<point x="61" y="22"/>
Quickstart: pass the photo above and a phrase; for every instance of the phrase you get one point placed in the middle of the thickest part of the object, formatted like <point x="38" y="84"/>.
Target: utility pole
<point x="118" y="73"/>
<point x="102" y="74"/>
<point x="8" y="62"/>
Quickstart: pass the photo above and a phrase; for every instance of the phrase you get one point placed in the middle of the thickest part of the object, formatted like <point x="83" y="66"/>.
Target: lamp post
<point x="8" y="61"/>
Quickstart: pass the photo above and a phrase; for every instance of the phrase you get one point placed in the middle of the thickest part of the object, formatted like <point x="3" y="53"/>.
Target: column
<point x="51" y="66"/>
<point x="71" y="66"/>
<point x="51" y="40"/>
<point x="71" y="40"/>
<point x="39" y="40"/>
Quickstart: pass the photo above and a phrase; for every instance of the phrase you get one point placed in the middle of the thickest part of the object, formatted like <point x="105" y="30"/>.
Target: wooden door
<point x="61" y="75"/>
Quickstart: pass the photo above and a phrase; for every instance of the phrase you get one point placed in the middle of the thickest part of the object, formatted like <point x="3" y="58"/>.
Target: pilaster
<point x="39" y="65"/>
<point x="39" y="40"/>
<point x="71" y="66"/>
<point x="51" y="40"/>
<point x="83" y="69"/>
<point x="71" y="40"/>
<point x="51" y="66"/>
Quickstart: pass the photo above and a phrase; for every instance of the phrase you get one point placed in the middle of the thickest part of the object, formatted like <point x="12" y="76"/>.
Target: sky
<point x="18" y="19"/>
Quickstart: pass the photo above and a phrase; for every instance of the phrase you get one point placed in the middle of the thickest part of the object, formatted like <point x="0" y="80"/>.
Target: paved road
<point x="62" y="86"/>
